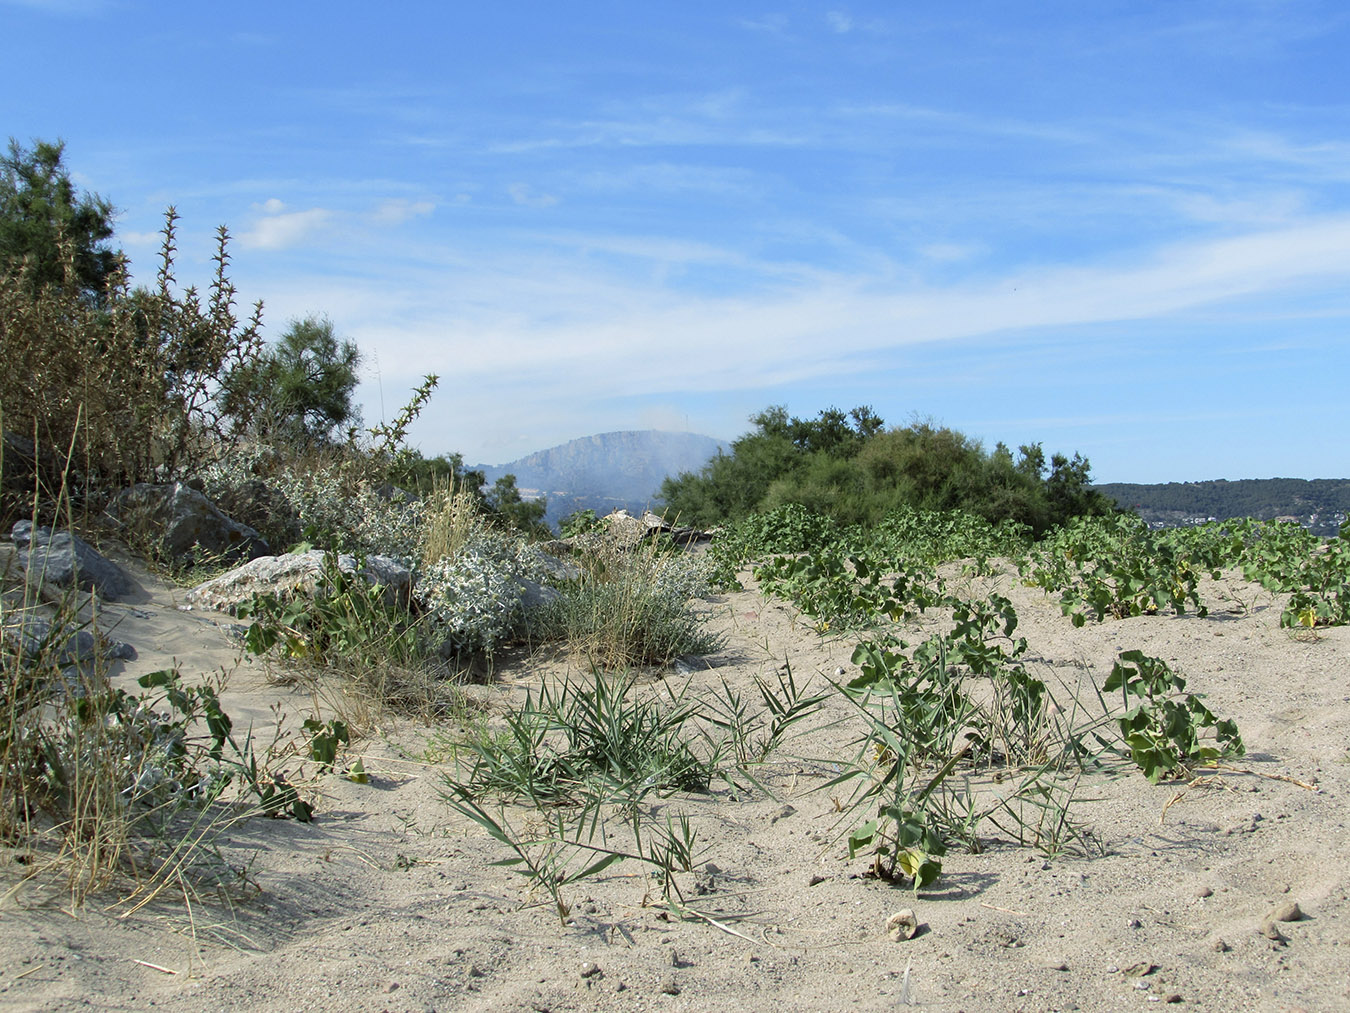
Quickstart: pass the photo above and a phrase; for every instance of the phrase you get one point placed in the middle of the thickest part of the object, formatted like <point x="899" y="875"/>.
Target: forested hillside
<point x="1320" y="504"/>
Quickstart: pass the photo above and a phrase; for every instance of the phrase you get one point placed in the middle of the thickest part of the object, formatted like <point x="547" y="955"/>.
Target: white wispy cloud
<point x="671" y="252"/>
<point x="690" y="120"/>
<point x="839" y="22"/>
<point x="673" y="178"/>
<point x="139" y="240"/>
<point x="768" y="24"/>
<point x="950" y="252"/>
<point x="276" y="228"/>
<point x="1322" y="160"/>
<point x="398" y="210"/>
<point x="528" y="196"/>
<point x="496" y="328"/>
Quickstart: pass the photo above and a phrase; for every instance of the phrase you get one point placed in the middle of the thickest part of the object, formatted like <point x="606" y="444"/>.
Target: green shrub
<point x="471" y="601"/>
<point x="1115" y="567"/>
<point x="1162" y="729"/>
<point x="578" y="738"/>
<point x="580" y="755"/>
<point x="95" y="782"/>
<point x="852" y="469"/>
<point x="578" y="522"/>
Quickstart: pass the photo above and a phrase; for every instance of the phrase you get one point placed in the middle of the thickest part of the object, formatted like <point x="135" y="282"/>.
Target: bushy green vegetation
<point x="1163" y="727"/>
<point x="344" y="618"/>
<point x="853" y="470"/>
<point x="586" y="758"/>
<point x="904" y="538"/>
<point x="958" y="740"/>
<point x="1113" y="568"/>
<point x="933" y="713"/>
<point x="96" y="781"/>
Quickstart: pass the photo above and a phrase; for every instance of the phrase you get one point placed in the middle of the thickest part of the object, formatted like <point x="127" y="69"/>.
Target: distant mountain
<point x="606" y="471"/>
<point x="1320" y="504"/>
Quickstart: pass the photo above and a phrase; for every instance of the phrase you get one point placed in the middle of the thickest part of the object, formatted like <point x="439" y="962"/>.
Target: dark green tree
<point x="41" y="211"/>
<point x="1069" y="490"/>
<point x="1031" y="460"/>
<point x="847" y="467"/>
<point x="423" y="475"/>
<point x="300" y="390"/>
<point x="766" y="464"/>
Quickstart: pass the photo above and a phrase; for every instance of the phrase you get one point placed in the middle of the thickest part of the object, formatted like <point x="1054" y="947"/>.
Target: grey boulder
<point x="33" y="636"/>
<point x="534" y="595"/>
<point x="557" y="570"/>
<point x="67" y="561"/>
<point x="181" y="517"/>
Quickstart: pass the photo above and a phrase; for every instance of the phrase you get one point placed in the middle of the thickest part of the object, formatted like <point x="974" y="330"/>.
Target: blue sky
<point x="1121" y="228"/>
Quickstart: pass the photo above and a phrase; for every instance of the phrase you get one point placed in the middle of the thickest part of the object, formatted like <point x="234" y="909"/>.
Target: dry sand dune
<point x="388" y="900"/>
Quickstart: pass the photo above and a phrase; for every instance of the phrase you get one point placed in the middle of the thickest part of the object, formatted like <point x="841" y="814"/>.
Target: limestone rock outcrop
<point x="296" y="573"/>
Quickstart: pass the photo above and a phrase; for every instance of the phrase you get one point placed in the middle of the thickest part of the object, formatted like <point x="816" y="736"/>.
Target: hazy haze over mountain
<point x="605" y="471"/>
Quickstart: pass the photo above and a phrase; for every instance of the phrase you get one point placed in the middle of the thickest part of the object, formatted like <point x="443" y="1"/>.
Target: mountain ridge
<point x="605" y="471"/>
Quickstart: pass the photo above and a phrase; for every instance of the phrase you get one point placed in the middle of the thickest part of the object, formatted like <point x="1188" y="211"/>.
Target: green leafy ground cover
<point x="930" y="715"/>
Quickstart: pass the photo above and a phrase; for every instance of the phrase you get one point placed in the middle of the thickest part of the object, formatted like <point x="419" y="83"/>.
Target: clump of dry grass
<point x="451" y="518"/>
<point x="102" y="789"/>
<point x="631" y="606"/>
<point x="84" y="769"/>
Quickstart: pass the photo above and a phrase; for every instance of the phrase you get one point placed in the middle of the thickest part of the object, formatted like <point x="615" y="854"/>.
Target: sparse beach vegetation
<point x="637" y="737"/>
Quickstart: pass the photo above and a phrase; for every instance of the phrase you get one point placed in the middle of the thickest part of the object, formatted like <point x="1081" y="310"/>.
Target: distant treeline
<point x="1320" y="503"/>
<point x="849" y="466"/>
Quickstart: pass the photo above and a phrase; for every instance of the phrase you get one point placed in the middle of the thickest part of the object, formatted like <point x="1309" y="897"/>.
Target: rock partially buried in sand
<point x="32" y="636"/>
<point x="1271" y="930"/>
<point x="902" y="925"/>
<point x="1289" y="911"/>
<point x="296" y="573"/>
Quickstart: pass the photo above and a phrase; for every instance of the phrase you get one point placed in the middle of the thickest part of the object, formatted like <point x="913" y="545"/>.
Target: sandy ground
<point x="388" y="900"/>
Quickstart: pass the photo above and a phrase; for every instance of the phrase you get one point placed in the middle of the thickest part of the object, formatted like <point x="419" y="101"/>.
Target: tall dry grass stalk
<point x="452" y="517"/>
<point x="84" y="801"/>
<point x="59" y="786"/>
